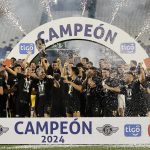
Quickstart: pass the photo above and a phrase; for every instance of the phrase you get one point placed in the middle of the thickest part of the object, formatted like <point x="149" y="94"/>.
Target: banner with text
<point x="64" y="131"/>
<point x="82" y="28"/>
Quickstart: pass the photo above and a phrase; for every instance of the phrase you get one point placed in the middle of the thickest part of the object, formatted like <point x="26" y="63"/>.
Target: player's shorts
<point x="121" y="101"/>
<point x="22" y="108"/>
<point x="43" y="107"/>
<point x="73" y="106"/>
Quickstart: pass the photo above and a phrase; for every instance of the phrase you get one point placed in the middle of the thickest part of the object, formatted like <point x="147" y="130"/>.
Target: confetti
<point x="5" y="10"/>
<point x="145" y="27"/>
<point x="117" y="6"/>
<point x="83" y="6"/>
<point x="47" y="5"/>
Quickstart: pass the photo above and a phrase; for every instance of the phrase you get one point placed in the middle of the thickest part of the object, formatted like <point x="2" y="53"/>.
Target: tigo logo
<point x="127" y="48"/>
<point x="25" y="47"/>
<point x="132" y="130"/>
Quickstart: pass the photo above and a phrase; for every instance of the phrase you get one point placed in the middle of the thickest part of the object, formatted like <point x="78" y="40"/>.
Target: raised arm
<point x="10" y="70"/>
<point x="45" y="63"/>
<point x="56" y="83"/>
<point x="26" y="59"/>
<point x="77" y="87"/>
<point x="113" y="89"/>
<point x="141" y="75"/>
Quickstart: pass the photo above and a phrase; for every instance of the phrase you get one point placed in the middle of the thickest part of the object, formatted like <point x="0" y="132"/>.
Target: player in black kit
<point x="75" y="89"/>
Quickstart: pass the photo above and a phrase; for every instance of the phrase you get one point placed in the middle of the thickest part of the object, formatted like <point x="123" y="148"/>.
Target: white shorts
<point x="121" y="101"/>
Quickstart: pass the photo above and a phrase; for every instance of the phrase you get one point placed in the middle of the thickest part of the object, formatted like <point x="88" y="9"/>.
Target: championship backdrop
<point x="81" y="28"/>
<point x="122" y="30"/>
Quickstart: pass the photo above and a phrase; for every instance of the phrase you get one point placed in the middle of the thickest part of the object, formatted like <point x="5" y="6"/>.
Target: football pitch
<point x="34" y="147"/>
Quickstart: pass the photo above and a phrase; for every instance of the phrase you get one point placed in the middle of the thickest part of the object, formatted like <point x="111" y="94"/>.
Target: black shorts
<point x="93" y="106"/>
<point x="3" y="101"/>
<point x="111" y="104"/>
<point x="147" y="97"/>
<point x="42" y="107"/>
<point x="73" y="106"/>
<point x="136" y="108"/>
<point x="22" y="108"/>
<point x="11" y="103"/>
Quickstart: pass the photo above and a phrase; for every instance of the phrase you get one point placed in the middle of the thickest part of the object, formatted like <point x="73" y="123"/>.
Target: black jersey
<point x="3" y="98"/>
<point x="24" y="86"/>
<point x="96" y="91"/>
<point x="43" y="101"/>
<point x="94" y="98"/>
<point x="44" y="87"/>
<point x="75" y="94"/>
<point x="74" y="97"/>
<point x="134" y="97"/>
<point x="146" y="85"/>
<point x="59" y="97"/>
<point x="111" y="98"/>
<point x="23" y="97"/>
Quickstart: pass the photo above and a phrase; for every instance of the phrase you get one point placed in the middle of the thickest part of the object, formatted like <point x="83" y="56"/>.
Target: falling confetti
<point x="5" y="10"/>
<point x="117" y="5"/>
<point x="47" y="5"/>
<point x="145" y="27"/>
<point x="83" y="6"/>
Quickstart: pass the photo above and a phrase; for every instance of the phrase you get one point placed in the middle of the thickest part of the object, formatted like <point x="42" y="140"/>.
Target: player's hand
<point x="58" y="61"/>
<point x="67" y="81"/>
<point x="50" y="77"/>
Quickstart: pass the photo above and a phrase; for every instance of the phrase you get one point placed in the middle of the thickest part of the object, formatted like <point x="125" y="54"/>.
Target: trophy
<point x="40" y="45"/>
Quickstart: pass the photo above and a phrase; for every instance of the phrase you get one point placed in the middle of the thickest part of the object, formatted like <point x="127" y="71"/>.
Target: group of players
<point x="74" y="90"/>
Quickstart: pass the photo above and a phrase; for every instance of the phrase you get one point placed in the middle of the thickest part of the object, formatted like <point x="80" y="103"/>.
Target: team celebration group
<point x="72" y="89"/>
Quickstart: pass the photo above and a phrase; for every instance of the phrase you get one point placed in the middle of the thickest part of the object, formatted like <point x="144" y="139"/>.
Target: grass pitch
<point x="34" y="147"/>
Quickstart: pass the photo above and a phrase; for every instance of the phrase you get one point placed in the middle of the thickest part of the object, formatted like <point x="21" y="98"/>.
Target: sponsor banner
<point x="82" y="28"/>
<point x="127" y="48"/>
<point x="64" y="131"/>
<point x="132" y="130"/>
<point x="24" y="48"/>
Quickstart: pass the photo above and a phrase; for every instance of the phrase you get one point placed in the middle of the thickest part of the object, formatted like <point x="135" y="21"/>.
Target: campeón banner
<point x="81" y="28"/>
<point x="64" y="131"/>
